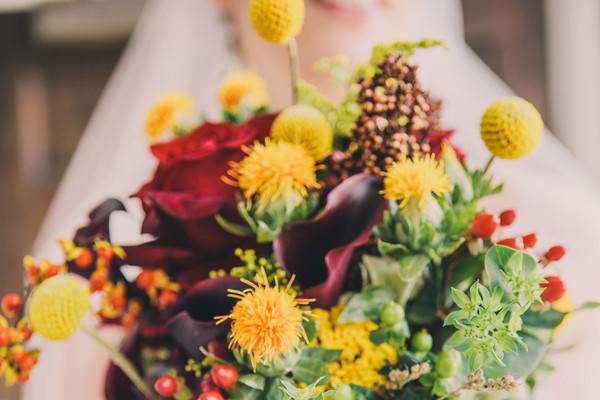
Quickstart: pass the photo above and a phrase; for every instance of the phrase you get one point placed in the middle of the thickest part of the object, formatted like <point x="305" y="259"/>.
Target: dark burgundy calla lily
<point x="318" y="251"/>
<point x="98" y="223"/>
<point x="193" y="325"/>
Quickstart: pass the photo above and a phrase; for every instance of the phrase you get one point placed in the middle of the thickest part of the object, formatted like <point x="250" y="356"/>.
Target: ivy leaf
<point x="521" y="363"/>
<point x="549" y="319"/>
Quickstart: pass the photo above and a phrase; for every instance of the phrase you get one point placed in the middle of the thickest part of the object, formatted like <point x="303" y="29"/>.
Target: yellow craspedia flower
<point x="273" y="171"/>
<point x="266" y="321"/>
<point x="415" y="179"/>
<point x="360" y="360"/>
<point x="306" y="126"/>
<point x="511" y="128"/>
<point x="165" y="114"/>
<point x="243" y="89"/>
<point x="57" y="306"/>
<point x="277" y="21"/>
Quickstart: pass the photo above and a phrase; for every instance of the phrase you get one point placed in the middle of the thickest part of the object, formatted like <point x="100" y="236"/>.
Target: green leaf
<point x="363" y="393"/>
<point x="588" y="305"/>
<point x="243" y="392"/>
<point x="549" y="319"/>
<point x="396" y="334"/>
<point x="321" y="354"/>
<point x="255" y="381"/>
<point x="522" y="363"/>
<point x="412" y="266"/>
<point x="366" y="305"/>
<point x="308" y="369"/>
<point x="287" y="388"/>
<point x="391" y="249"/>
<point x="466" y="271"/>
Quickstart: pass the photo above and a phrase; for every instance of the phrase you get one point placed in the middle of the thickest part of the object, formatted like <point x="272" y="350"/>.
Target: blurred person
<point x="183" y="46"/>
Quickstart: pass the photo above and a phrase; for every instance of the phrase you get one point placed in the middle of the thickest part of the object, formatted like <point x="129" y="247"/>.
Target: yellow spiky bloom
<point x="415" y="179"/>
<point x="511" y="128"/>
<point x="360" y="360"/>
<point x="306" y="126"/>
<point x="164" y="115"/>
<point x="266" y="321"/>
<point x="57" y="306"/>
<point x="274" y="170"/>
<point x="243" y="88"/>
<point x="277" y="21"/>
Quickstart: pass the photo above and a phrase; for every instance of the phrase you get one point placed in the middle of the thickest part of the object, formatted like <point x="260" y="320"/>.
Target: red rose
<point x="187" y="191"/>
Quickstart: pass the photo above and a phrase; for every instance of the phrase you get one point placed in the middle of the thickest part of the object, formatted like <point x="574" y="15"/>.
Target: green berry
<point x="342" y="392"/>
<point x="422" y="342"/>
<point x="448" y="363"/>
<point x="391" y="314"/>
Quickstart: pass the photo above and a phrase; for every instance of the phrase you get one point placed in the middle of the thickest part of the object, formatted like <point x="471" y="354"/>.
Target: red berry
<point x="514" y="243"/>
<point x="17" y="354"/>
<point x="105" y="252"/>
<point x="484" y="226"/>
<point x="211" y="395"/>
<point x="27" y="362"/>
<point x="145" y="279"/>
<point x="166" y="386"/>
<point x="555" y="253"/>
<point x="84" y="260"/>
<point x="167" y="298"/>
<point x="529" y="241"/>
<point x="118" y="301"/>
<point x="51" y="271"/>
<point x="207" y="384"/>
<point x="507" y="217"/>
<point x="4" y="337"/>
<point x="11" y="304"/>
<point x="26" y="332"/>
<point x="554" y="289"/>
<point x="224" y="376"/>
<point x="97" y="282"/>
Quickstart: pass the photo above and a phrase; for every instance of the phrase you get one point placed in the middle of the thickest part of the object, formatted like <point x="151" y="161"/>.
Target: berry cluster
<point x="16" y="361"/>
<point x="486" y="226"/>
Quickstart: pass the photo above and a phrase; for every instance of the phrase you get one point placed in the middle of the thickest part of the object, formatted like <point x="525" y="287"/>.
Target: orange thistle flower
<point x="266" y="320"/>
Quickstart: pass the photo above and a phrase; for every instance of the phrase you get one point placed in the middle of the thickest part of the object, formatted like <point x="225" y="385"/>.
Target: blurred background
<point x="56" y="57"/>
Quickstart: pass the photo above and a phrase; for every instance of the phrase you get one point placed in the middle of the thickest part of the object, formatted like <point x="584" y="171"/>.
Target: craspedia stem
<point x="122" y="362"/>
<point x="488" y="165"/>
<point x="294" y="67"/>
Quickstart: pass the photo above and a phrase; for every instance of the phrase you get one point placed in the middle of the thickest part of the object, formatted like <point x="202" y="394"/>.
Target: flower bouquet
<point x="324" y="251"/>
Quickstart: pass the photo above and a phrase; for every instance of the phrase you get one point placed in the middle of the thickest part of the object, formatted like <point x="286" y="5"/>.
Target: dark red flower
<point x="318" y="252"/>
<point x="554" y="289"/>
<point x="435" y="140"/>
<point x="187" y="191"/>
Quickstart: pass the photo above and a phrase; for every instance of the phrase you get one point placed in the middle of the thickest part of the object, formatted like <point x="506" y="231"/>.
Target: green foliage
<point x="293" y="392"/>
<point x="366" y="305"/>
<point x="549" y="319"/>
<point x="486" y="326"/>
<point x="517" y="273"/>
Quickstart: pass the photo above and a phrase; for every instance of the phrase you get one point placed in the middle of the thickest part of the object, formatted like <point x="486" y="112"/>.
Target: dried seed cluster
<point x="398" y="378"/>
<point x="397" y="115"/>
<point x="476" y="381"/>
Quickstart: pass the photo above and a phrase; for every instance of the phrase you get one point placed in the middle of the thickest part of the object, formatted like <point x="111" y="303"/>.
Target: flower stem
<point x="122" y="362"/>
<point x="488" y="165"/>
<point x="294" y="67"/>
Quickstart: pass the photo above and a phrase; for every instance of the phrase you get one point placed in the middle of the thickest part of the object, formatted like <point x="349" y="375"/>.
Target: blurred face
<point x="335" y="27"/>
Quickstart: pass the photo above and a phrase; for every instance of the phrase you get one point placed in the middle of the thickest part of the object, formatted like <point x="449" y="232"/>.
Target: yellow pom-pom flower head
<point x="277" y="21"/>
<point x="274" y="171"/>
<point x="512" y="128"/>
<point x="306" y="126"/>
<point x="415" y="180"/>
<point x="266" y="321"/>
<point x="166" y="114"/>
<point x="57" y="306"/>
<point x="242" y="89"/>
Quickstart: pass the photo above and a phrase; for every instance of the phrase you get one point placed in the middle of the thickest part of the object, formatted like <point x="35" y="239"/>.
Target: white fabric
<point x="552" y="194"/>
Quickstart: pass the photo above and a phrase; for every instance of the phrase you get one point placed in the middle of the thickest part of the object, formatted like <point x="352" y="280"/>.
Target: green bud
<point x="422" y="342"/>
<point x="448" y="363"/>
<point x="392" y="313"/>
<point x="342" y="392"/>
